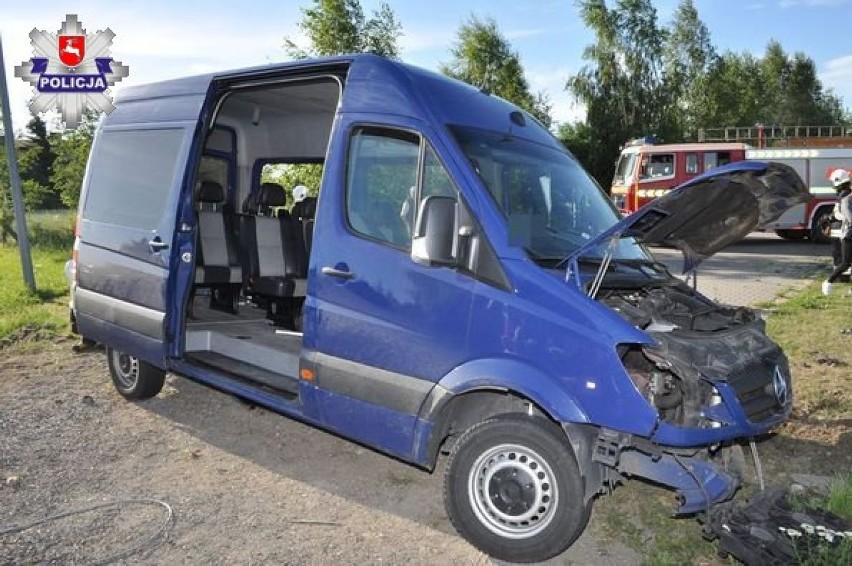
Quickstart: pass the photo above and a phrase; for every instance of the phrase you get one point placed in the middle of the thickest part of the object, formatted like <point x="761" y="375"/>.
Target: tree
<point x="688" y="55"/>
<point x="290" y="175"/>
<point x="579" y="140"/>
<point x="622" y="85"/>
<point x="7" y="217"/>
<point x="776" y="89"/>
<point x="35" y="160"/>
<point x="72" y="152"/>
<point x="483" y="57"/>
<point x="335" y="27"/>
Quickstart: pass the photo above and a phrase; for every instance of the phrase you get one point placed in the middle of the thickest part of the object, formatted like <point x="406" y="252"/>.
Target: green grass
<point x="640" y="516"/>
<point x="838" y="500"/>
<point x="810" y="328"/>
<point x="43" y="313"/>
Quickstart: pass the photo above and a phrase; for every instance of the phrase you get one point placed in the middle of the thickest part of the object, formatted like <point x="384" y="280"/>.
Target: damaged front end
<point x="713" y="375"/>
<point x="710" y="371"/>
<point x="713" y="369"/>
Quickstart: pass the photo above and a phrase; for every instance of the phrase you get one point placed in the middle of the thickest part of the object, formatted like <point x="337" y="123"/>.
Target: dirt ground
<point x="246" y="485"/>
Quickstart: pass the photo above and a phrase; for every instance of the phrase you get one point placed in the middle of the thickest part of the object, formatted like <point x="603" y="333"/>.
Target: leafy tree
<point x="290" y="175"/>
<point x="580" y="141"/>
<point x="483" y="57"/>
<point x="335" y="27"/>
<point x="72" y="152"/>
<point x="7" y="217"/>
<point x="736" y="93"/>
<point x="622" y="85"/>
<point x="776" y="89"/>
<point x="35" y="159"/>
<point x="688" y="55"/>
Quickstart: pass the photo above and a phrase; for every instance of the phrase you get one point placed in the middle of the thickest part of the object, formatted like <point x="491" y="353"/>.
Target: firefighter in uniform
<point x="842" y="181"/>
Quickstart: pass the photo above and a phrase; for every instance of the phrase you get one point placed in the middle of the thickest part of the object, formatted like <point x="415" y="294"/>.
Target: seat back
<point x="272" y="244"/>
<point x="268" y="236"/>
<point x="304" y="212"/>
<point x="216" y="245"/>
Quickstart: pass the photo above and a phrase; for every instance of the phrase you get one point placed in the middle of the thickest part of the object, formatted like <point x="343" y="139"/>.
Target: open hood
<point x="711" y="211"/>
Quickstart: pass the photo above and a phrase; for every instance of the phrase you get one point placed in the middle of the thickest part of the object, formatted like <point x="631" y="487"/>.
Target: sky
<point x="161" y="39"/>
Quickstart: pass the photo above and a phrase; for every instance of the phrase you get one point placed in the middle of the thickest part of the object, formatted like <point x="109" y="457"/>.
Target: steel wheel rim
<point x="513" y="491"/>
<point x="126" y="369"/>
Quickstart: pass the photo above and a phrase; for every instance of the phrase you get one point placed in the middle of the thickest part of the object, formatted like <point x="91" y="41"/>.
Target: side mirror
<point x="435" y="241"/>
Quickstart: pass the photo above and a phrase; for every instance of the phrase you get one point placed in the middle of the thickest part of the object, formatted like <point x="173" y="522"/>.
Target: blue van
<point x="460" y="286"/>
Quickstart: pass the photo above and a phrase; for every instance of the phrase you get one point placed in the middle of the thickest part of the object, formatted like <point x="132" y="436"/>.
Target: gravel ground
<point x="246" y="485"/>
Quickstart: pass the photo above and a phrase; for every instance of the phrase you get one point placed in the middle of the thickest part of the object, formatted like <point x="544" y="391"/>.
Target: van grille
<point x="756" y="390"/>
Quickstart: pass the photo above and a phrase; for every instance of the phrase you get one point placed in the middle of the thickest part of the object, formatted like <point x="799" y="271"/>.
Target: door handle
<point x="334" y="272"/>
<point x="157" y="244"/>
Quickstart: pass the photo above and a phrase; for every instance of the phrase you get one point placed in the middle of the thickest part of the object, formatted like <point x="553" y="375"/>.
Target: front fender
<point x="518" y="377"/>
<point x="494" y="374"/>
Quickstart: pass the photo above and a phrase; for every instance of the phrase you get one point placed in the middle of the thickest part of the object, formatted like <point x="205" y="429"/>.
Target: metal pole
<point x="15" y="179"/>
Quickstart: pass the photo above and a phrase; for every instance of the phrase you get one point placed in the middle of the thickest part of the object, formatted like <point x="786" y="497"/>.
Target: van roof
<point x="373" y="84"/>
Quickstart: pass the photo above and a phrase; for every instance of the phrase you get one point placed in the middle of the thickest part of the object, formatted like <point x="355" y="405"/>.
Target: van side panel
<point x="126" y="233"/>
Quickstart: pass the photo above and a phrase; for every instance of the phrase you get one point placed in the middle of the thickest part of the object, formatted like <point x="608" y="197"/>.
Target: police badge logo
<point x="71" y="70"/>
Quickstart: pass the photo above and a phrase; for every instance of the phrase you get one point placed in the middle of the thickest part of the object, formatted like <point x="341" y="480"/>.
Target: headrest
<point x="210" y="192"/>
<point x="272" y="194"/>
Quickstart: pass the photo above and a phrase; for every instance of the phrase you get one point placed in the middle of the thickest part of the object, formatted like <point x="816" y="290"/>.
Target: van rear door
<point x="133" y="183"/>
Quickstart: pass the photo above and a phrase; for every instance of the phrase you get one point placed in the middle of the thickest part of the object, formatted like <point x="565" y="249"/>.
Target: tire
<point x="792" y="234"/>
<point x="133" y="378"/>
<point x="819" y="226"/>
<point x="532" y="476"/>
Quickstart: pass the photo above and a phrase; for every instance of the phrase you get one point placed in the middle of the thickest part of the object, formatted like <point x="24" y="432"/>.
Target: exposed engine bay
<point x="699" y="342"/>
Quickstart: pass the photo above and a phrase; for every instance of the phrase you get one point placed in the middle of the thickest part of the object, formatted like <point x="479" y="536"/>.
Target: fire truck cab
<point x="646" y="170"/>
<point x="814" y="165"/>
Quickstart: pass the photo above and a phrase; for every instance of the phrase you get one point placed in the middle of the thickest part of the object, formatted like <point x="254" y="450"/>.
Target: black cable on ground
<point x="142" y="542"/>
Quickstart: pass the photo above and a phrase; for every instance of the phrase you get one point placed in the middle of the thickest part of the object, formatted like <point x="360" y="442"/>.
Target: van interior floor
<point x="245" y="345"/>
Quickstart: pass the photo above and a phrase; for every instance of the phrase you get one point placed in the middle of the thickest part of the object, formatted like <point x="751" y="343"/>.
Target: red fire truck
<point x="646" y="170"/>
<point x="814" y="165"/>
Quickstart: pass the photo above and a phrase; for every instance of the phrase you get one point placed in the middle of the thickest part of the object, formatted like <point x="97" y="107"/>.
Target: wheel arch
<point x="479" y="390"/>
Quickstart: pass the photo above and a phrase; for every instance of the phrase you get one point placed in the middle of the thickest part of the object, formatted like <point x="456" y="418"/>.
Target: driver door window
<point x="382" y="171"/>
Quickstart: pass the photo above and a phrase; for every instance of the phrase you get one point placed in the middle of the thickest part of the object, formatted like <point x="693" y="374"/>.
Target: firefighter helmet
<point x="840" y="177"/>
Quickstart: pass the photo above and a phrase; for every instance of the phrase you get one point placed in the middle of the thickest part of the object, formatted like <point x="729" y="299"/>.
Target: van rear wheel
<point x="513" y="489"/>
<point x="133" y="378"/>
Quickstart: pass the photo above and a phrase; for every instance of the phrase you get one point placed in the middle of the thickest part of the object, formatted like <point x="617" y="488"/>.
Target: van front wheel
<point x="133" y="378"/>
<point x="512" y="488"/>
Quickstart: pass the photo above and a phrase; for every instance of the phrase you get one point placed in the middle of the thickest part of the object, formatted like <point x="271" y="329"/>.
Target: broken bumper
<point x="699" y="484"/>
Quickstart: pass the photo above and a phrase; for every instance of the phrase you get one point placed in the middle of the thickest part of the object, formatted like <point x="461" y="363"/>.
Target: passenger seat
<point x="277" y="268"/>
<point x="217" y="265"/>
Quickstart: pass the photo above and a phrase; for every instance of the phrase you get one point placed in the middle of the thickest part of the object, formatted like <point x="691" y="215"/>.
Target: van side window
<point x="381" y="171"/>
<point x="132" y="175"/>
<point x="691" y="163"/>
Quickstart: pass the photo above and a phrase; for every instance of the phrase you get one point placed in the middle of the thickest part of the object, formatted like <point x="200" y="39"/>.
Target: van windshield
<point x="552" y="206"/>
